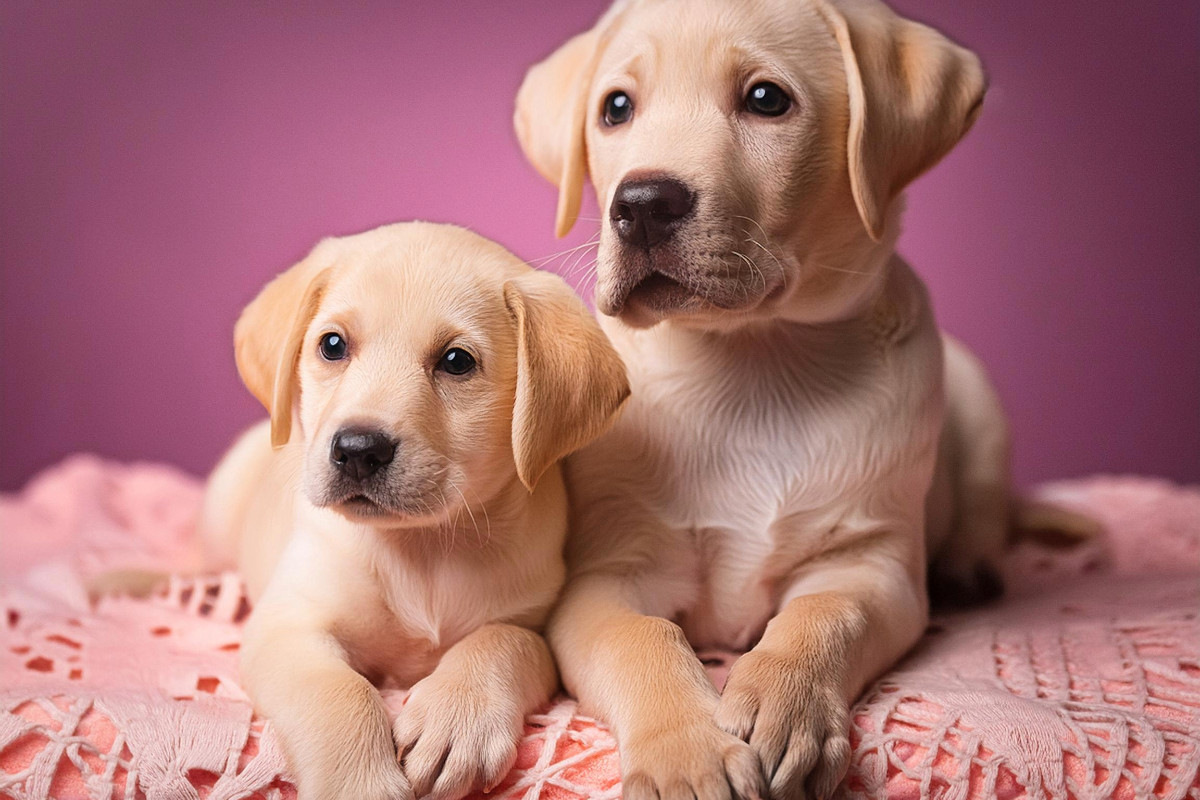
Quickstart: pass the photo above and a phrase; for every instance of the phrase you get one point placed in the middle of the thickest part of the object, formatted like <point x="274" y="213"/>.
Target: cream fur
<point x="766" y="485"/>
<point x="445" y="584"/>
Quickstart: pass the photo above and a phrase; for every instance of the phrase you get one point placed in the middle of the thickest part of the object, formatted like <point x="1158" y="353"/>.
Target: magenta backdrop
<point x="159" y="161"/>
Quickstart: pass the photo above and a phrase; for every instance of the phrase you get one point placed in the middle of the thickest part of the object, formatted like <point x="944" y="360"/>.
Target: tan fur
<point x="766" y="484"/>
<point x="562" y="369"/>
<point x="447" y="581"/>
<point x="267" y="361"/>
<point x="912" y="96"/>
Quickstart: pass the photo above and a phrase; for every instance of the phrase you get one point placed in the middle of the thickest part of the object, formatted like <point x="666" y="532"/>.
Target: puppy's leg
<point x="639" y="674"/>
<point x="790" y="696"/>
<point x="460" y="726"/>
<point x="330" y="719"/>
<point x="974" y="456"/>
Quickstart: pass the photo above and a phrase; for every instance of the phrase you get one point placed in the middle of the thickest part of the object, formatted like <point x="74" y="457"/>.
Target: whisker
<point x="467" y="506"/>
<point x="448" y="533"/>
<point x="588" y="268"/>
<point x="756" y="224"/>
<point x="778" y="264"/>
<point x="750" y="262"/>
<point x="576" y="260"/>
<point x="766" y="248"/>
<point x="840" y="269"/>
<point x="545" y="259"/>
<point x="486" y="519"/>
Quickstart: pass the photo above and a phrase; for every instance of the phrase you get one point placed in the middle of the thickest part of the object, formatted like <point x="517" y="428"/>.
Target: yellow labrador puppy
<point x="401" y="516"/>
<point x="766" y="485"/>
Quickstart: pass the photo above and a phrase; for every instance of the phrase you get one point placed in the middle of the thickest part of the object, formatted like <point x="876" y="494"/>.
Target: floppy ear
<point x="570" y="380"/>
<point x="268" y="336"/>
<point x="913" y="94"/>
<point x="550" y="118"/>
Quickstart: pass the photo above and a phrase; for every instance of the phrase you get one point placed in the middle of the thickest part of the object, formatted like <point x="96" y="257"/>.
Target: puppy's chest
<point x="750" y="476"/>
<point x="415" y="618"/>
<point x="742" y="454"/>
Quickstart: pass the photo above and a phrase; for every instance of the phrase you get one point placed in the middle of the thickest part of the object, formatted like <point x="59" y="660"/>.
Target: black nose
<point x="646" y="212"/>
<point x="359" y="453"/>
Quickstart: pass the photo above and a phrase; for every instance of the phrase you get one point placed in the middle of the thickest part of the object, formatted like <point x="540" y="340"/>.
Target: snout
<point x="359" y="453"/>
<point x="647" y="211"/>
<point x="369" y="471"/>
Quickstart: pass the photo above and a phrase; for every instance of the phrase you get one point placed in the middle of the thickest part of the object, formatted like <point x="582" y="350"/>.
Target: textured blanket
<point x="1083" y="683"/>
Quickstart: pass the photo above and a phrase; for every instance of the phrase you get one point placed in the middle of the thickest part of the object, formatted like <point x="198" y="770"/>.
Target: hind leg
<point x="969" y="506"/>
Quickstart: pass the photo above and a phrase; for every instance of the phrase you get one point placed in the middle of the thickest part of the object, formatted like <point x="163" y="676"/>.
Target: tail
<point x="1050" y="524"/>
<point x="126" y="582"/>
<point x="974" y="515"/>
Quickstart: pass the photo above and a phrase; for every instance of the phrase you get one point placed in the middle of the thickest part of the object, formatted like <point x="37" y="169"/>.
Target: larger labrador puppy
<point x="767" y="483"/>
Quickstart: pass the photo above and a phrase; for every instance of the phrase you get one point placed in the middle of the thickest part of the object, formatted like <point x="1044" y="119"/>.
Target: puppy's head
<point x="423" y="369"/>
<point x="744" y="152"/>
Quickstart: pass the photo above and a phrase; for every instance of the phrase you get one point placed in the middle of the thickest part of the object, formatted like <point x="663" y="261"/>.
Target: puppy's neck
<point x="842" y="272"/>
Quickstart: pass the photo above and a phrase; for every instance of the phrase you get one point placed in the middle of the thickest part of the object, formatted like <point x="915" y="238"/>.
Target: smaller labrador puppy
<point x="401" y="516"/>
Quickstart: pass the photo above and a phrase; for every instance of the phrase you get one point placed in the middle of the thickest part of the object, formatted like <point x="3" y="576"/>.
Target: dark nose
<point x="646" y="212"/>
<point x="359" y="454"/>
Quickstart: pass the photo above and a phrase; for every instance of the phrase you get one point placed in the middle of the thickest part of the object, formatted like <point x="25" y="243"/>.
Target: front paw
<point x="689" y="760"/>
<point x="795" y="719"/>
<point x="453" y="739"/>
<point x="319" y="779"/>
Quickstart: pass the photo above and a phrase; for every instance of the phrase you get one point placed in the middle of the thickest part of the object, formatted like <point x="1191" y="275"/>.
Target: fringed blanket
<point x="1083" y="683"/>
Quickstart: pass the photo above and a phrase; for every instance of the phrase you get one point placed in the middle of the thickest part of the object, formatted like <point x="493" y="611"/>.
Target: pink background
<point x="159" y="161"/>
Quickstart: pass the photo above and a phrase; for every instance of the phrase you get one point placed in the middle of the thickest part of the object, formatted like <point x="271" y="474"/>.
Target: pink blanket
<point x="1083" y="683"/>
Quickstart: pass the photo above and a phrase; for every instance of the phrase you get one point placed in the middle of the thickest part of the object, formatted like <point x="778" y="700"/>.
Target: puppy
<point x="767" y="484"/>
<point x="401" y="516"/>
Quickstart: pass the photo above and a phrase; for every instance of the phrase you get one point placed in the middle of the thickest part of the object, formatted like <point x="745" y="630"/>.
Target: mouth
<point x="379" y="504"/>
<point x="645" y="281"/>
<point x="648" y="286"/>
<point x="362" y="503"/>
<point x="380" y="507"/>
<point x="659" y="292"/>
<point x="363" y="506"/>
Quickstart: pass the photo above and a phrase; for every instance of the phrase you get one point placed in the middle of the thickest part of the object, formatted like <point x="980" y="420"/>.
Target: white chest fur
<point x="740" y="458"/>
<point x="396" y="607"/>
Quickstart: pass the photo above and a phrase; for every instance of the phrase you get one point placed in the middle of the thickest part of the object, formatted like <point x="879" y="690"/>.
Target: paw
<point x="352" y="756"/>
<point x="334" y="781"/>
<point x="696" y="761"/>
<point x="453" y="739"/>
<point x="954" y="586"/>
<point x="795" y="720"/>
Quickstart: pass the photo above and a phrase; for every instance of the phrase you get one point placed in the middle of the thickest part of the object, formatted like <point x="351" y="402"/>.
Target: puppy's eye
<point x="456" y="361"/>
<point x="332" y="347"/>
<point x="618" y="108"/>
<point x="767" y="99"/>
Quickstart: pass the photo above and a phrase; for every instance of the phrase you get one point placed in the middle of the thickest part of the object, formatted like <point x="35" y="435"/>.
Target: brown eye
<point x="332" y="347"/>
<point x="618" y="108"/>
<point x="456" y="361"/>
<point x="767" y="99"/>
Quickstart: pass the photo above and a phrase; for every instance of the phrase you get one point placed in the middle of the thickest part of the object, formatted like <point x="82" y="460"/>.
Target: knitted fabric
<point x="1083" y="683"/>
